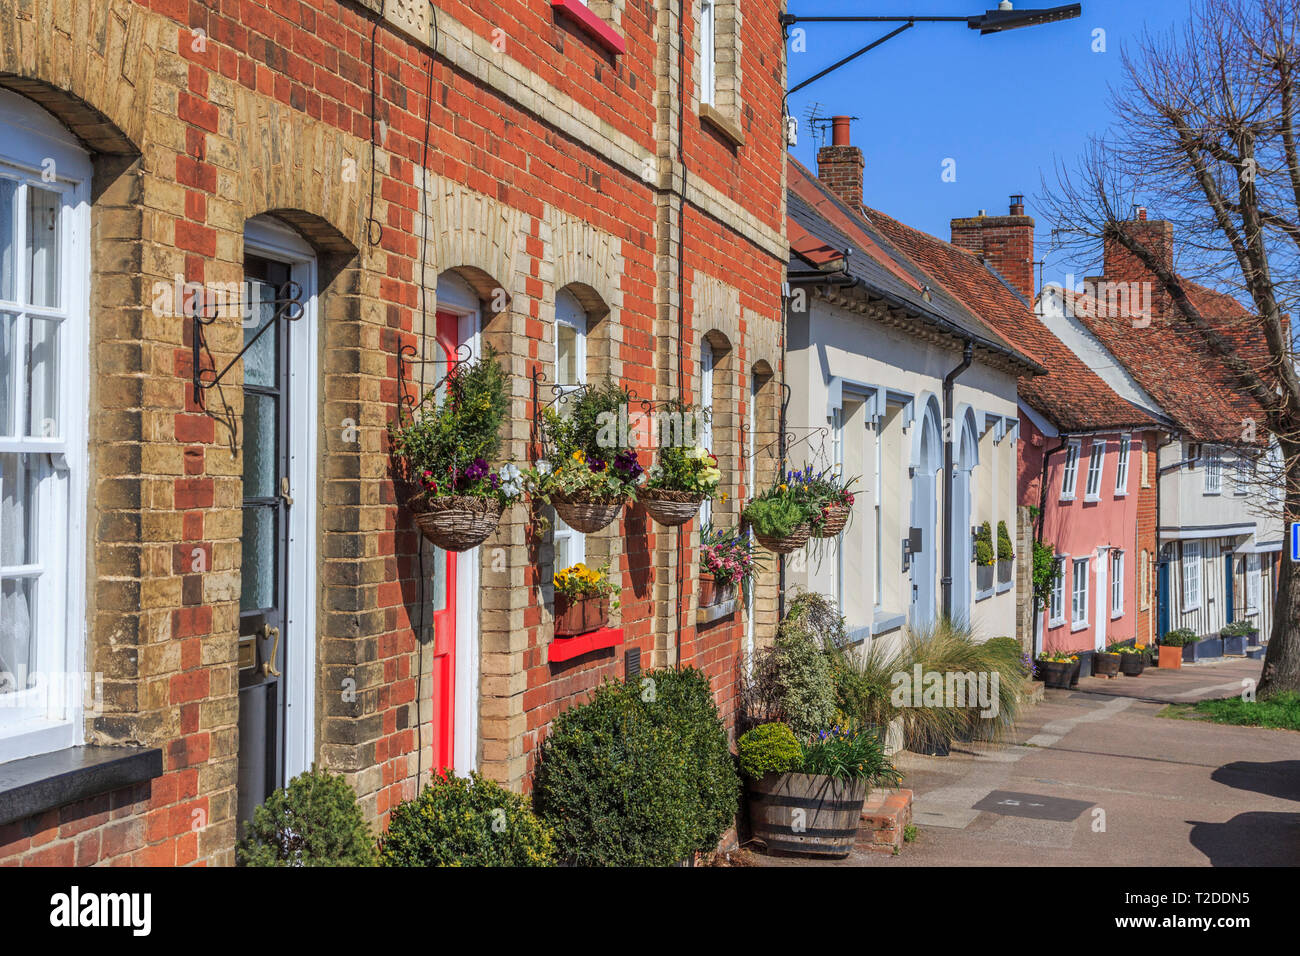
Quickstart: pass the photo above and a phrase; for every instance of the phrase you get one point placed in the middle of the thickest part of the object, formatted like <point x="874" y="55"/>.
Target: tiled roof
<point x="1173" y="363"/>
<point x="822" y="229"/>
<point x="1070" y="395"/>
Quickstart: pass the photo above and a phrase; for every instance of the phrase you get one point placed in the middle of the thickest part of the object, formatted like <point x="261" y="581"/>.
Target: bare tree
<point x="1206" y="132"/>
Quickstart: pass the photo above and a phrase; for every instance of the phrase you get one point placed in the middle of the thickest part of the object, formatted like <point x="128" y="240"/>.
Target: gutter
<point x="968" y="355"/>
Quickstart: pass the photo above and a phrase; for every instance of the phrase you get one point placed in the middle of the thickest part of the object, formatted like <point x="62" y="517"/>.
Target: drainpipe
<point x="948" y="381"/>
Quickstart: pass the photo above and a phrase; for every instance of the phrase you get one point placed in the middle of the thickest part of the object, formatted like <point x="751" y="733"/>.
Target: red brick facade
<point x="540" y="162"/>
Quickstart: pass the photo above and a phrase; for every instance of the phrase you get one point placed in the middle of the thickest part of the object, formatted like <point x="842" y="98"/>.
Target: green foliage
<point x="1180" y="637"/>
<point x="589" y="422"/>
<point x="1238" y="629"/>
<point x="984" y="546"/>
<point x="768" y="748"/>
<point x="792" y="680"/>
<point x="1046" y="566"/>
<point x="466" y="821"/>
<point x="315" y="821"/>
<point x="685" y="469"/>
<point x="1006" y="551"/>
<point x="446" y="437"/>
<point x="1281" y="712"/>
<point x="776" y="515"/>
<point x="640" y="775"/>
<point x="850" y="754"/>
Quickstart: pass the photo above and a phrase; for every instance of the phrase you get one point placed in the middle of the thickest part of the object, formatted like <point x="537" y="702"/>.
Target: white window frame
<point x="1144" y="584"/>
<point x="1254" y="583"/>
<point x="1192" y="572"/>
<point x="1245" y="475"/>
<point x="708" y="52"/>
<point x="1121" y="466"/>
<point x="44" y="721"/>
<point x="1096" y="468"/>
<point x="1212" y="462"/>
<point x="1056" y="600"/>
<point x="1070" y="474"/>
<point x="1079" y="598"/>
<point x="1146" y="465"/>
<point x="1116" y="584"/>
<point x="569" y="313"/>
<point x="707" y="361"/>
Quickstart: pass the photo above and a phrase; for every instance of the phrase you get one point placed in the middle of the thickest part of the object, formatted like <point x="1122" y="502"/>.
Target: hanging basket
<point x="670" y="507"/>
<point x="456" y="522"/>
<point x="587" y="514"/>
<point x="837" y="516"/>
<point x="795" y="540"/>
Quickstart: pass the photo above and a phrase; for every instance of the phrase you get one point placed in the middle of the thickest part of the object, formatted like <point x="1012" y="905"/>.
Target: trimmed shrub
<point x="315" y="821"/>
<point x="793" y="680"/>
<point x="466" y="821"/>
<point x="639" y="775"/>
<point x="769" y="748"/>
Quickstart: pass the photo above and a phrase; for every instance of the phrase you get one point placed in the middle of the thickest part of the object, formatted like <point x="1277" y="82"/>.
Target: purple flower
<point x="596" y="464"/>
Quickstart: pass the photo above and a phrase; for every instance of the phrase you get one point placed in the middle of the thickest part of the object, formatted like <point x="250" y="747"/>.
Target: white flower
<point x="509" y="473"/>
<point x="543" y="467"/>
<point x="512" y="489"/>
<point x="641" y="478"/>
<point x="656" y="471"/>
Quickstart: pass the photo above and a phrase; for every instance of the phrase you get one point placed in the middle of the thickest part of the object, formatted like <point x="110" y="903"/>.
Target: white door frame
<point x="1103" y="598"/>
<point x="272" y="239"/>
<point x="455" y="295"/>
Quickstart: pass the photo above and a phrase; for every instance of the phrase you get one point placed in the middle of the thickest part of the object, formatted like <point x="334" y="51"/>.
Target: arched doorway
<point x="963" y="492"/>
<point x="927" y="457"/>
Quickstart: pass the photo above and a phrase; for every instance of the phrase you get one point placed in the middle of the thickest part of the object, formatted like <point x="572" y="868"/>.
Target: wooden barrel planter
<point x="836" y="517"/>
<point x="456" y="522"/>
<point x="1106" y="665"/>
<point x="670" y="507"/>
<point x="575" y="616"/>
<point x="795" y="540"/>
<point x="1056" y="673"/>
<point x="587" y="514"/>
<point x="711" y="592"/>
<point x="827" y="827"/>
<point x="1132" y="665"/>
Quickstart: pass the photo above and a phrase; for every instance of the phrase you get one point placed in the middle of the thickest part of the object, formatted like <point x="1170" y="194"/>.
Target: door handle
<point x="268" y="666"/>
<point x="284" y="490"/>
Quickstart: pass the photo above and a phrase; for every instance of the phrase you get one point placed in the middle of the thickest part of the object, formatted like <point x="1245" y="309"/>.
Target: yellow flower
<point x="784" y="487"/>
<point x="579" y="456"/>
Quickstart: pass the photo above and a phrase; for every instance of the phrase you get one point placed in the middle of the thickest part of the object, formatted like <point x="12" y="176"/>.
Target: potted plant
<point x="984" y="558"/>
<point x="1173" y="645"/>
<point x="1006" y="553"/>
<point x="589" y="476"/>
<point x="834" y="503"/>
<point x="828" y="779"/>
<point x="582" y="599"/>
<point x="1106" y="663"/>
<point x="1132" y="660"/>
<point x="727" y="559"/>
<point x="1236" y="636"/>
<point x="679" y="482"/>
<point x="1057" y="668"/>
<point x="440" y="452"/>
<point x="782" y="516"/>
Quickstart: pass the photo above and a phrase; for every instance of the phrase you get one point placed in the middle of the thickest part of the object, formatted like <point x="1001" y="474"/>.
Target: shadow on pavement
<point x="1280" y="778"/>
<point x="1250" y="839"/>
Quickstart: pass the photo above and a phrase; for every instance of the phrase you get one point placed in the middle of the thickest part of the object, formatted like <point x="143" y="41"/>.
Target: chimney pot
<point x="1017" y="205"/>
<point x="840" y="130"/>
<point x="1142" y="213"/>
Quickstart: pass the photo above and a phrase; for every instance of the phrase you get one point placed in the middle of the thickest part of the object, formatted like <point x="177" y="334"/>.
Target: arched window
<point x="44" y="341"/>
<point x="570" y="373"/>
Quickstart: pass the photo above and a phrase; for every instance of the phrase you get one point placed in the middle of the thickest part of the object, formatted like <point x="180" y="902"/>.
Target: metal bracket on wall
<point x="288" y="305"/>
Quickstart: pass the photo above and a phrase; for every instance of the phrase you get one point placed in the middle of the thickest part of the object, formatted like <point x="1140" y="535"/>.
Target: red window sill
<point x="599" y="30"/>
<point x="567" y="648"/>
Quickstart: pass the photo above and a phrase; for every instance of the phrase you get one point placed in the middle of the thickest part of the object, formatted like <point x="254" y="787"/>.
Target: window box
<point x="983" y="577"/>
<point x="591" y="24"/>
<point x="581" y="616"/>
<point x="711" y="592"/>
<point x="564" y="649"/>
<point x="1004" y="571"/>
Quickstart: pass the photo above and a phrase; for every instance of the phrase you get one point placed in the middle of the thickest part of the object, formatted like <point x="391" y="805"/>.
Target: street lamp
<point x="990" y="21"/>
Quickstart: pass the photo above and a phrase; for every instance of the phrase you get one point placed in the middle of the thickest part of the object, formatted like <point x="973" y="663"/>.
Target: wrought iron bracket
<point x="288" y="306"/>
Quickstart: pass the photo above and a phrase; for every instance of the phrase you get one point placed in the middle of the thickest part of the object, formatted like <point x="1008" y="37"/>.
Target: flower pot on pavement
<point x="1056" y="673"/>
<point x="1171" y="657"/>
<point x="1105" y="665"/>
<point x="1132" y="665"/>
<point x="828" y="821"/>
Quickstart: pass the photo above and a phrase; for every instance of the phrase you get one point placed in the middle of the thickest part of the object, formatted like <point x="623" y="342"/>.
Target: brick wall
<point x="540" y="163"/>
<point x="1004" y="242"/>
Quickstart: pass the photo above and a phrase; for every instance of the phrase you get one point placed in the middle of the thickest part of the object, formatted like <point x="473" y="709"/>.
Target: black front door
<point x="264" y="564"/>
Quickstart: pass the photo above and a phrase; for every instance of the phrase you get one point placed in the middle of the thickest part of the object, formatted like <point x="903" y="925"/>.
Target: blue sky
<point x="1003" y="107"/>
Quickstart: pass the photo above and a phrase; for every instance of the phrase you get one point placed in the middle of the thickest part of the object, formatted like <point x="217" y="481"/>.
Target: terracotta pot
<point x="1171" y="657"/>
<point x="711" y="592"/>
<point x="1105" y="665"/>
<point x="580" y="615"/>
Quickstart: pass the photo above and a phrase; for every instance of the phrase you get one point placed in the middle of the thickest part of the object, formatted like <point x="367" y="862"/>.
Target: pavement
<point x="1092" y="777"/>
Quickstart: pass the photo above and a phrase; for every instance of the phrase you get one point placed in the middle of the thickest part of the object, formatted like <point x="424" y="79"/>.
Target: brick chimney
<point x="840" y="165"/>
<point x="1004" y="242"/>
<point x="1156" y="235"/>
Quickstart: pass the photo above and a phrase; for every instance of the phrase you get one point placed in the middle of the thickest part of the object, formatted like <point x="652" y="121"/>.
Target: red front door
<point x="444" y="610"/>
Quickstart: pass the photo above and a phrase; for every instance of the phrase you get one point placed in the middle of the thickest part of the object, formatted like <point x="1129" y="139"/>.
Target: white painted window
<point x="1121" y="466"/>
<point x="1079" y="594"/>
<point x="1070" y="475"/>
<point x="44" y="274"/>
<point x="1245" y="474"/>
<point x="1056" y="603"/>
<point x="706" y="402"/>
<point x="1095" y="463"/>
<point x="1191" y="567"/>
<point x="1254" y="583"/>
<point x="1212" y="461"/>
<point x="1146" y="466"/>
<point x="1116" y="583"/>
<point x="708" y="52"/>
<point x="570" y="373"/>
<point x="1144" y="585"/>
